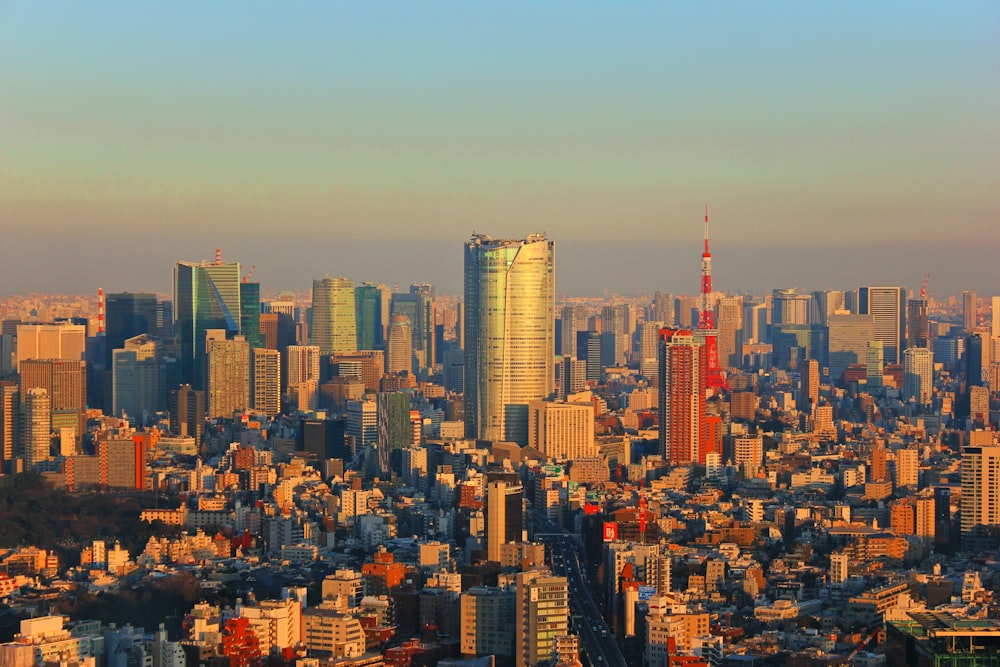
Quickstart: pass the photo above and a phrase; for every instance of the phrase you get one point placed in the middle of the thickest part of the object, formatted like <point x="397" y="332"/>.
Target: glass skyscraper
<point x="333" y="327"/>
<point x="509" y="333"/>
<point x="206" y="296"/>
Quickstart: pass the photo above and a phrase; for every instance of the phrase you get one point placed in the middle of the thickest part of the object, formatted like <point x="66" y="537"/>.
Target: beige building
<point x="542" y="615"/>
<point x="562" y="430"/>
<point x="487" y="621"/>
<point x="331" y="633"/>
<point x="227" y="374"/>
<point x="50" y="341"/>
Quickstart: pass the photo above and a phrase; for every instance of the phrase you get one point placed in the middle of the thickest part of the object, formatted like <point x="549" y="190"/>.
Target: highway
<point x="564" y="552"/>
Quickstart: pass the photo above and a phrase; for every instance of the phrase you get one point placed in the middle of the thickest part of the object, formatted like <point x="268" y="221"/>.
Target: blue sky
<point x="370" y="139"/>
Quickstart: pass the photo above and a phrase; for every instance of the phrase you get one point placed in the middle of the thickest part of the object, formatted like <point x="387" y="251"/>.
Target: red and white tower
<point x="716" y="380"/>
<point x="100" y="311"/>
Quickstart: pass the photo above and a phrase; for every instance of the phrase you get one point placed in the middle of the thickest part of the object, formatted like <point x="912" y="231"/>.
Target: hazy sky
<point x="837" y="144"/>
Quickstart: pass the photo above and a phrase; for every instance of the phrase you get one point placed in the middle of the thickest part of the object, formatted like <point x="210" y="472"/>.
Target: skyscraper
<point x="682" y="384"/>
<point x="139" y="378"/>
<point x="918" y="374"/>
<point x="400" y="352"/>
<point x="65" y="385"/>
<point x="227" y="374"/>
<point x="790" y="307"/>
<point x="588" y="350"/>
<point x="303" y="375"/>
<point x="394" y="432"/>
<point x="266" y="381"/>
<point x="503" y="516"/>
<point x="128" y="315"/>
<point x="333" y="326"/>
<point x="917" y="325"/>
<point x="887" y="306"/>
<point x="970" y="310"/>
<point x="980" y="504"/>
<point x="50" y="341"/>
<point x="368" y="316"/>
<point x="206" y="296"/>
<point x="250" y="314"/>
<point x="542" y="616"/>
<point x="849" y="336"/>
<point x="10" y="408"/>
<point x="187" y="412"/>
<point x="37" y="427"/>
<point x="510" y="332"/>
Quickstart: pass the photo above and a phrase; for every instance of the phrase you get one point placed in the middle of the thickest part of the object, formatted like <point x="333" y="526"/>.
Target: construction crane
<point x="248" y="276"/>
<point x="923" y="286"/>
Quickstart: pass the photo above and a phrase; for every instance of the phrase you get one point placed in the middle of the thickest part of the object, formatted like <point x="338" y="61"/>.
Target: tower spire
<point x="706" y="320"/>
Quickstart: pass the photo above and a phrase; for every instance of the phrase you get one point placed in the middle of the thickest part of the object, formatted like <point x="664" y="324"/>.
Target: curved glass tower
<point x="509" y="333"/>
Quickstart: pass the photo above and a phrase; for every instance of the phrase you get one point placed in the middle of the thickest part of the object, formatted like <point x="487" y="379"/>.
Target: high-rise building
<point x="266" y="381"/>
<point x="37" y="427"/>
<point x="400" y="352"/>
<point x="917" y="324"/>
<point x="729" y="325"/>
<point x="588" y="350"/>
<point x="368" y="316"/>
<point x="918" y="374"/>
<point x="50" y="341"/>
<point x="995" y="317"/>
<point x="970" y="311"/>
<point x="874" y="365"/>
<point x="227" y="374"/>
<point x="278" y="332"/>
<point x="980" y="504"/>
<point x="303" y="374"/>
<point x="794" y="343"/>
<point x="849" y="336"/>
<point x="649" y="338"/>
<point x="756" y="318"/>
<point x="418" y="307"/>
<point x="362" y="423"/>
<point x="139" y="378"/>
<point x="206" y="296"/>
<point x="977" y="357"/>
<point x="907" y="468"/>
<point x="487" y="621"/>
<point x="10" y="408"/>
<point x="562" y="430"/>
<point x="542" y="616"/>
<point x="127" y="315"/>
<point x="333" y="326"/>
<point x="394" y="432"/>
<point x="790" y="307"/>
<point x="824" y="304"/>
<point x="682" y="378"/>
<point x="250" y="311"/>
<point x="887" y="306"/>
<point x="572" y="376"/>
<point x="809" y="391"/>
<point x="187" y="412"/>
<point x="65" y="384"/>
<point x="510" y="333"/>
<point x="504" y="501"/>
<point x="573" y="319"/>
<point x="663" y="308"/>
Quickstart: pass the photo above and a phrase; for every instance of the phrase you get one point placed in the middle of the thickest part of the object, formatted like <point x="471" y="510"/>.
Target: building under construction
<point x="940" y="639"/>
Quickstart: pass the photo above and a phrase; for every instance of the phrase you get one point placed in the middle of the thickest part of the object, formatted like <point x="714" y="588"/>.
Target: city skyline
<point x="836" y="146"/>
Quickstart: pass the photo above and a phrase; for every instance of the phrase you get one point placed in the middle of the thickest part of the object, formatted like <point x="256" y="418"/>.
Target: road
<point x="564" y="552"/>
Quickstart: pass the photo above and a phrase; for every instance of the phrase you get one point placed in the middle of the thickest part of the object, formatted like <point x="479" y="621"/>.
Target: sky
<point x="836" y="144"/>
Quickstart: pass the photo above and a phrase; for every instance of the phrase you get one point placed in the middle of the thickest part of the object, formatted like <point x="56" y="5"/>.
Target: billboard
<point x="610" y="531"/>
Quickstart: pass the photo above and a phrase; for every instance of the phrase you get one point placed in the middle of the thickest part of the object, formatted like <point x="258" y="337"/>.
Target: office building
<point x="250" y="312"/>
<point x="139" y="379"/>
<point x="487" y="622"/>
<point x="303" y="375"/>
<point x="588" y="350"/>
<point x="809" y="389"/>
<point x="794" y="343"/>
<point x="365" y="365"/>
<point x="362" y="423"/>
<point x="848" y="341"/>
<point x="10" y="426"/>
<point x="394" y="430"/>
<point x="980" y="504"/>
<point x="206" y="296"/>
<point x="187" y="412"/>
<point x="400" y="348"/>
<point x="572" y="376"/>
<point x="729" y="331"/>
<point x="887" y="306"/>
<point x="128" y="315"/>
<point x="227" y="374"/>
<point x="970" y="311"/>
<point x="266" y="381"/>
<point x="37" y="427"/>
<point x="65" y="384"/>
<point x="504" y="501"/>
<point x="368" y="316"/>
<point x="918" y="374"/>
<point x="874" y="365"/>
<point x="917" y="324"/>
<point x="573" y="319"/>
<point x="50" y="341"/>
<point x="824" y="304"/>
<point x="542" y="616"/>
<point x="418" y="307"/>
<point x="562" y="430"/>
<point x="278" y="333"/>
<point x="663" y="309"/>
<point x="977" y="357"/>
<point x="682" y="377"/>
<point x="510" y="331"/>
<point x="790" y="307"/>
<point x="333" y="327"/>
